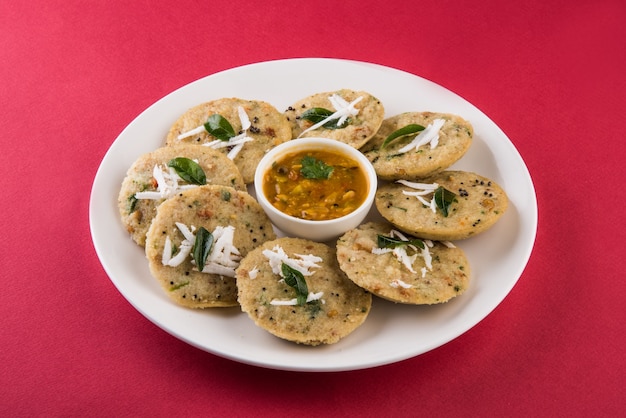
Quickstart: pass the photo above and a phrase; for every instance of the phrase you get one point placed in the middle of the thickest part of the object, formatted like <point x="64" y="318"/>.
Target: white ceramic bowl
<point x="324" y="230"/>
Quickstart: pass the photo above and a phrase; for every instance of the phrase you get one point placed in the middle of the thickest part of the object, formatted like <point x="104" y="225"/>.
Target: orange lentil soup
<point x="315" y="185"/>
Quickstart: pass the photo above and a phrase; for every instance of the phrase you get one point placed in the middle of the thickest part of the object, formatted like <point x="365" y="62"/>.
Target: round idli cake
<point x="156" y="176"/>
<point x="327" y="308"/>
<point x="363" y="113"/>
<point x="443" y="141"/>
<point x="242" y="129"/>
<point x="448" y="206"/>
<point x="218" y="225"/>
<point x="400" y="268"/>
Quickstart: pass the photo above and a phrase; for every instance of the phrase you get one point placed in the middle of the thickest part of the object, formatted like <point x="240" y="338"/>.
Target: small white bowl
<point x="323" y="230"/>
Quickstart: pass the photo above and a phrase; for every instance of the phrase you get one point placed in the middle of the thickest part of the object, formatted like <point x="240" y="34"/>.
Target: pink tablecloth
<point x="74" y="74"/>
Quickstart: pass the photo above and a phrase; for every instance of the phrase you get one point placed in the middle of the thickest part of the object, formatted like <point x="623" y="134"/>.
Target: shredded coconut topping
<point x="407" y="260"/>
<point x="400" y="252"/>
<point x="194" y="131"/>
<point x="430" y="135"/>
<point x="292" y="302"/>
<point x="252" y="274"/>
<point x="343" y="110"/>
<point x="184" y="249"/>
<point x="167" y="184"/>
<point x="399" y="283"/>
<point x="235" y="142"/>
<point x="303" y="263"/>
<point x="423" y="189"/>
<point x="223" y="258"/>
<point x="428" y="259"/>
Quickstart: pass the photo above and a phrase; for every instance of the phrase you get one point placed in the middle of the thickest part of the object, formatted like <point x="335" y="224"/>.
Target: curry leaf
<point x="219" y="127"/>
<point x="407" y="130"/>
<point x="188" y="170"/>
<point x="202" y="247"/>
<point x="388" y="242"/>
<point x="296" y="280"/>
<point x="318" y="114"/>
<point x="443" y="200"/>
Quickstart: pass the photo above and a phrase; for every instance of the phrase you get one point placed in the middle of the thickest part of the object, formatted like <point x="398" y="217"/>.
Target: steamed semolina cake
<point x="327" y="308"/>
<point x="443" y="141"/>
<point x="211" y="225"/>
<point x="156" y="176"/>
<point x="395" y="267"/>
<point x="364" y="114"/>
<point x="254" y="132"/>
<point x="448" y="206"/>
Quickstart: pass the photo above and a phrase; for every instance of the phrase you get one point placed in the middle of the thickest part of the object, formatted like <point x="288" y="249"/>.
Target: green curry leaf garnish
<point x="296" y="280"/>
<point x="407" y="130"/>
<point x="188" y="170"/>
<point x="318" y="114"/>
<point x="388" y="242"/>
<point x="219" y="127"/>
<point x="443" y="199"/>
<point x="202" y="247"/>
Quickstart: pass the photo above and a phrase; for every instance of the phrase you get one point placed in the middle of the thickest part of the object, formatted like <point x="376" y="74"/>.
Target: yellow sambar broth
<point x="287" y="189"/>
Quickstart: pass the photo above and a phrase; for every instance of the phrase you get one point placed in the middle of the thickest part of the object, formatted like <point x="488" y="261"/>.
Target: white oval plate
<point x="392" y="332"/>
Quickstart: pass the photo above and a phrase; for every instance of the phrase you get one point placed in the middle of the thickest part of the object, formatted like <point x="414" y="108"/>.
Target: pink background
<point x="73" y="74"/>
